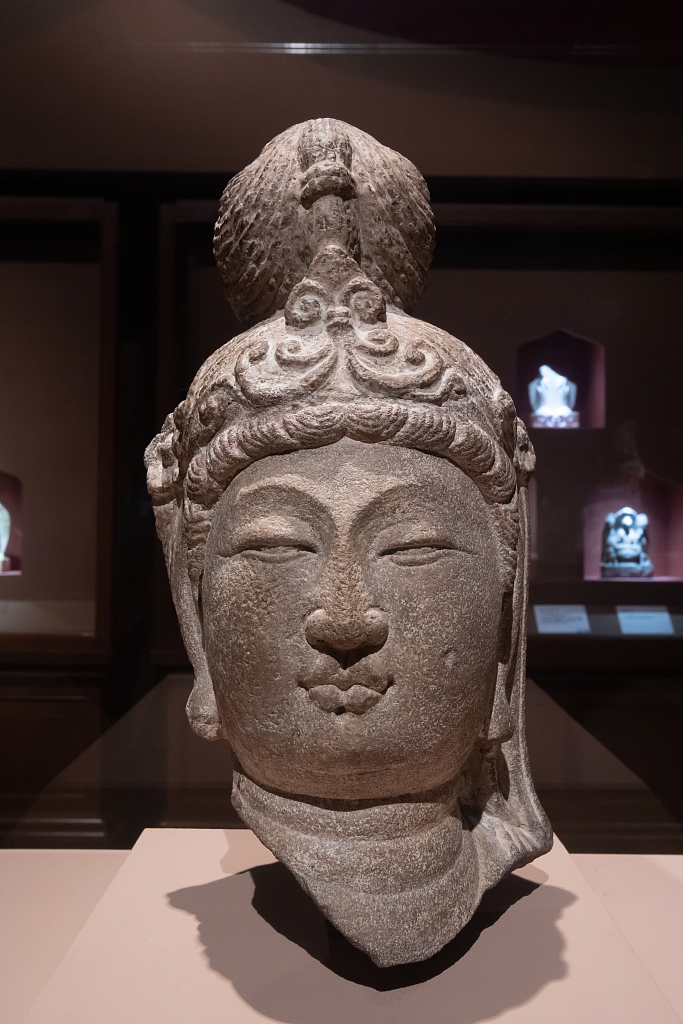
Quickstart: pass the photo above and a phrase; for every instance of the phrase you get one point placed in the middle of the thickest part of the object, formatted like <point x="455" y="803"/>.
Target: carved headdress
<point x="323" y="243"/>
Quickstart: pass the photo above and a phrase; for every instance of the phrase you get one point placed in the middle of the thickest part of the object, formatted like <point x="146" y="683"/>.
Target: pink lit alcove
<point x="661" y="500"/>
<point x="580" y="360"/>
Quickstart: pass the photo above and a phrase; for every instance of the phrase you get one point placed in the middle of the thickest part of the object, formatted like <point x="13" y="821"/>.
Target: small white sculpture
<point x="552" y="398"/>
<point x="624" y="544"/>
<point x="5" y="526"/>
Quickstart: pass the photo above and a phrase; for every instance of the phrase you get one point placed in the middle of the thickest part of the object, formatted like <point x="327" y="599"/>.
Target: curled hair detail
<point x="162" y="465"/>
<point x="225" y="456"/>
<point x="200" y="486"/>
<point x="196" y="528"/>
<point x="315" y="425"/>
<point x="264" y="432"/>
<point x="498" y="482"/>
<point x="425" y="366"/>
<point x="407" y="424"/>
<point x="524" y="455"/>
<point x="368" y="421"/>
<point x="475" y="447"/>
<point x="427" y="427"/>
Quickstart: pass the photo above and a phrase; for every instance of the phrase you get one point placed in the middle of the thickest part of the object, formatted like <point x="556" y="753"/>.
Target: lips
<point x="356" y="698"/>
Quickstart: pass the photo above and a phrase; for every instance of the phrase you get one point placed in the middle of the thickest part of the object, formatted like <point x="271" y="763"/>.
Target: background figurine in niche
<point x="624" y="545"/>
<point x="552" y="398"/>
<point x="11" y="518"/>
<point x="5" y="528"/>
<point x="342" y="503"/>
<point x="628" y="484"/>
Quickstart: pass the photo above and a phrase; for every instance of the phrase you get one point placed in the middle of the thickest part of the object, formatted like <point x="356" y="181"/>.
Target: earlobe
<point x="501" y="724"/>
<point x="202" y="710"/>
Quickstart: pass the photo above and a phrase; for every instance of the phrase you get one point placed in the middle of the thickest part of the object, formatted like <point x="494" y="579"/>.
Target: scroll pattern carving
<point x="336" y="323"/>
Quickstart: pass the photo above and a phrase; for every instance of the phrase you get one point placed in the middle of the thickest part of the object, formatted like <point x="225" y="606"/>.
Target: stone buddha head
<point x="342" y="503"/>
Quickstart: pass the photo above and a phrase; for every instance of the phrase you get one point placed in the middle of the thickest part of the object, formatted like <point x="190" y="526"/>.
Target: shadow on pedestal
<point x="261" y="931"/>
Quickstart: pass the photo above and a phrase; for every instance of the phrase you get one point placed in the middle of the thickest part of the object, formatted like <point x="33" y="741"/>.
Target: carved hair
<point x="236" y="445"/>
<point x="334" y="232"/>
<point x="322" y="179"/>
<point x="215" y="433"/>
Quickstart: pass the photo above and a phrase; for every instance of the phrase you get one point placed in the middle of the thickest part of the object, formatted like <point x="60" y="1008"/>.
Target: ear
<point x="202" y="710"/>
<point x="501" y="724"/>
<point x="510" y="826"/>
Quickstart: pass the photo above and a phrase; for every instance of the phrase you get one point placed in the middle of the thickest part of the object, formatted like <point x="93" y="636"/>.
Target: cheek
<point x="252" y="618"/>
<point x="452" y="592"/>
<point x="445" y="620"/>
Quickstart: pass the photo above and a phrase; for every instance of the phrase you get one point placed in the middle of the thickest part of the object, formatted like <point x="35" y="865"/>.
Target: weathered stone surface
<point x="342" y="503"/>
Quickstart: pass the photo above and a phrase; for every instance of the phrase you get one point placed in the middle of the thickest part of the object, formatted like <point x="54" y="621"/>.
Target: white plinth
<point x="176" y="940"/>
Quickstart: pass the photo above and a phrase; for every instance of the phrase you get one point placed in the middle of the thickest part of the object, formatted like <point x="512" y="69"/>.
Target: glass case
<point x="591" y="292"/>
<point x="57" y="314"/>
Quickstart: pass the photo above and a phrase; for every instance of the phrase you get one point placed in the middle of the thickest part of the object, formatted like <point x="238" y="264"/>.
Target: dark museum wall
<point x="55" y="346"/>
<point x="189" y="85"/>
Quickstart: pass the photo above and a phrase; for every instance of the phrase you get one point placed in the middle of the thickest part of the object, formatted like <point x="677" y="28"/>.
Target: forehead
<point x="354" y="474"/>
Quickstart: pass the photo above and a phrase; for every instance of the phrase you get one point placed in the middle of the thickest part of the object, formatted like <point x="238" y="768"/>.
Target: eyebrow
<point x="292" y="483"/>
<point x="288" y="484"/>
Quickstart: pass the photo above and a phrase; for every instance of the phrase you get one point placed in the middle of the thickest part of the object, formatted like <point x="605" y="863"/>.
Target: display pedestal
<point x="202" y="926"/>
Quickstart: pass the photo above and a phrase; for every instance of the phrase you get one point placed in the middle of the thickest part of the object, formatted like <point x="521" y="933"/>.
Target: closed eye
<point x="417" y="553"/>
<point x="275" y="550"/>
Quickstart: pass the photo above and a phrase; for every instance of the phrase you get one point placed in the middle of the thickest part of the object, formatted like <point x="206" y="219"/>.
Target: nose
<point x="347" y="638"/>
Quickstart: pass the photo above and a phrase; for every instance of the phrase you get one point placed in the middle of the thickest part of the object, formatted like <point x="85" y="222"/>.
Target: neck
<point x="399" y="878"/>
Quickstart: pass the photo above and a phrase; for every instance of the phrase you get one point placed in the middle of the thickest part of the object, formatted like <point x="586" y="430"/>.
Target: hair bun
<point x="326" y="179"/>
<point x="325" y="157"/>
<point x="268" y="231"/>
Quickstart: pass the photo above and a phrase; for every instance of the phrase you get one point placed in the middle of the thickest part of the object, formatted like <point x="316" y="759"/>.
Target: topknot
<point x="328" y="235"/>
<point x="319" y="181"/>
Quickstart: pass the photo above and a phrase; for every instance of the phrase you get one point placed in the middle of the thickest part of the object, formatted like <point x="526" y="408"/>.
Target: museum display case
<point x="58" y="318"/>
<point x="550" y="144"/>
<point x="572" y="283"/>
<point x="11" y="524"/>
<point x="57" y="278"/>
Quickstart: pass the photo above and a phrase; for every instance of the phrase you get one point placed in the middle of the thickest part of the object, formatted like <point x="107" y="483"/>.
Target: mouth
<point x="355" y="700"/>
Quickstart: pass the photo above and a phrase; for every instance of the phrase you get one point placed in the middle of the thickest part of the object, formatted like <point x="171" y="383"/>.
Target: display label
<point x="561" y="618"/>
<point x="645" y="619"/>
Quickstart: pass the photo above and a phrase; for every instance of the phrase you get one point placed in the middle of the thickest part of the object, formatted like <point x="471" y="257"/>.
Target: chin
<point x="349" y="768"/>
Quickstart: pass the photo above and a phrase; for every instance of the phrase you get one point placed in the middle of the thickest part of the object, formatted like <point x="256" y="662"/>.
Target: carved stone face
<point x="351" y="615"/>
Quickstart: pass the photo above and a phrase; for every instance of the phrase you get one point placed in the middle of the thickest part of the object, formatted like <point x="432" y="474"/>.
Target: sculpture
<point x="552" y="398"/>
<point x="5" y="527"/>
<point x="624" y="545"/>
<point x="342" y="503"/>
